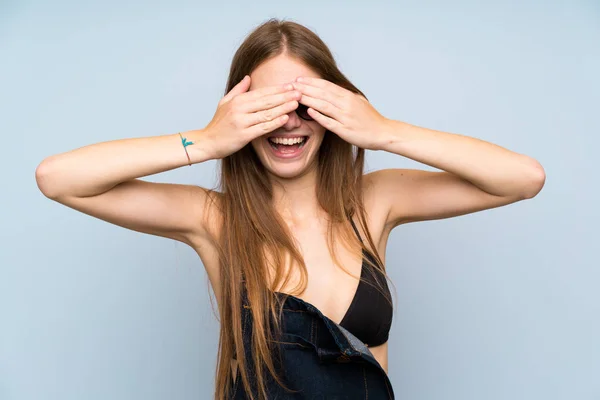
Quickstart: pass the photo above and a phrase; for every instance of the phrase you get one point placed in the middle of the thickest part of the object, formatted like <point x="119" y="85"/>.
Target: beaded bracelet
<point x="186" y="143"/>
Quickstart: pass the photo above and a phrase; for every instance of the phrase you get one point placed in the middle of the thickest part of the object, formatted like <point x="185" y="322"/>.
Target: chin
<point x="289" y="172"/>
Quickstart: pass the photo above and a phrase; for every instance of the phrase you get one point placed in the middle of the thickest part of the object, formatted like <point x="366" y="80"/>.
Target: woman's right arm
<point x="101" y="180"/>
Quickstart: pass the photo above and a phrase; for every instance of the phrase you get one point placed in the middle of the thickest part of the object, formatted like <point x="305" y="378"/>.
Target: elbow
<point x="535" y="181"/>
<point x="44" y="179"/>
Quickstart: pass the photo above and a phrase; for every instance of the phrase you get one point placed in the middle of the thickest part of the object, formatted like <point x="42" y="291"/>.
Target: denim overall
<point x="320" y="359"/>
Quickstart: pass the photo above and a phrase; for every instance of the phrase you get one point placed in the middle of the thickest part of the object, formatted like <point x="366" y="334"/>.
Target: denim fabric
<point x="320" y="359"/>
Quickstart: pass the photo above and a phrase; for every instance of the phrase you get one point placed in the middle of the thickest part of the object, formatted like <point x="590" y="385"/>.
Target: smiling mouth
<point x="279" y="143"/>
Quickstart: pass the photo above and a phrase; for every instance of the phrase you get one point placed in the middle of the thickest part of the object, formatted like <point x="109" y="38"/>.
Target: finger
<point x="324" y="84"/>
<point x="328" y="123"/>
<point x="324" y="107"/>
<point x="266" y="127"/>
<point x="272" y="113"/>
<point x="265" y="91"/>
<point x="270" y="101"/>
<point x="241" y="87"/>
<point x="320" y="93"/>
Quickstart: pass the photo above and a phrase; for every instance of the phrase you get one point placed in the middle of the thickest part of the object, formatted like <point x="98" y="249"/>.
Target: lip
<point x="289" y="155"/>
<point x="287" y="136"/>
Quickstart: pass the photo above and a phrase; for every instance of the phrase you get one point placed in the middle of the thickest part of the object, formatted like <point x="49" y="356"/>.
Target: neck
<point x="296" y="199"/>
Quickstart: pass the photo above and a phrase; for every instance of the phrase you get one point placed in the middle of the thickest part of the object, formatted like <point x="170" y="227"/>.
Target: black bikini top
<point x="369" y="316"/>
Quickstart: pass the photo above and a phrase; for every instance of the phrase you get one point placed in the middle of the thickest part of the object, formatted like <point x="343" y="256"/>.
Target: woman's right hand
<point x="244" y="115"/>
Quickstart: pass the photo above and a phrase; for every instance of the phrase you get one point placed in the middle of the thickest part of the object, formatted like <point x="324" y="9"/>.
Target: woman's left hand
<point x="345" y="113"/>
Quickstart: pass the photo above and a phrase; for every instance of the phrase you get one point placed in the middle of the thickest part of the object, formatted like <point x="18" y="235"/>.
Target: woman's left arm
<point x="476" y="175"/>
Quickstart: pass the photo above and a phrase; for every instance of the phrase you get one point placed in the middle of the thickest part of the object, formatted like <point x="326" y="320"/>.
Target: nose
<point x="293" y="122"/>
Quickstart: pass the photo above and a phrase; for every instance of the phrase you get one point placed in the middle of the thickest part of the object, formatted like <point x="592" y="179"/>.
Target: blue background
<point x="502" y="304"/>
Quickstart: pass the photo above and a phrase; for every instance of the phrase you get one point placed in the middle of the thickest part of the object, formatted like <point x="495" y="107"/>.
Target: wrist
<point x="198" y="146"/>
<point x="389" y="133"/>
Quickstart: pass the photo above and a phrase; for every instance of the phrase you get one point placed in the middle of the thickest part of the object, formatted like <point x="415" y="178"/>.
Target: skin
<point x="474" y="175"/>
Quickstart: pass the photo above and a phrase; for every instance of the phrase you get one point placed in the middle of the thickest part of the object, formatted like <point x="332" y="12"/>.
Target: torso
<point x="323" y="274"/>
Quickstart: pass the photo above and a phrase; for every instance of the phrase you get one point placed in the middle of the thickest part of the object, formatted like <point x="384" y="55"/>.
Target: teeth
<point x="287" y="141"/>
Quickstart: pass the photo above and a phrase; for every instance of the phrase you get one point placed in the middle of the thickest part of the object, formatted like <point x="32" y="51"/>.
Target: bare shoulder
<point x="410" y="195"/>
<point x="204" y="241"/>
<point x="210" y="218"/>
<point x="376" y="211"/>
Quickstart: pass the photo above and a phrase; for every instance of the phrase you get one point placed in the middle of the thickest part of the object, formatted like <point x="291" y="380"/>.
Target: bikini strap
<point x="355" y="230"/>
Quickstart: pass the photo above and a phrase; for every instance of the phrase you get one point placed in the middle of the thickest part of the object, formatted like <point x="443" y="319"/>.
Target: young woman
<point x="293" y="242"/>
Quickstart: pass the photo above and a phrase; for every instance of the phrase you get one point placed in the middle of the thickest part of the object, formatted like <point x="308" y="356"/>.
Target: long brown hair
<point x="250" y="231"/>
